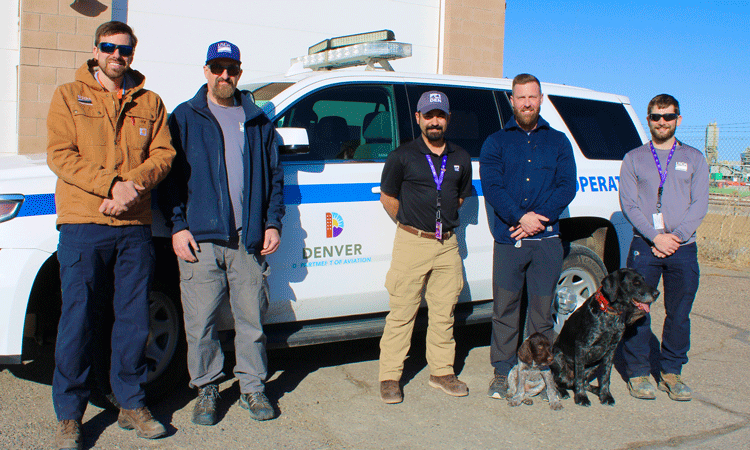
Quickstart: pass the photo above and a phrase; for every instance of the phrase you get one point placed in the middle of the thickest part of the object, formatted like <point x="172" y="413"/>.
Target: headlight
<point x="10" y="204"/>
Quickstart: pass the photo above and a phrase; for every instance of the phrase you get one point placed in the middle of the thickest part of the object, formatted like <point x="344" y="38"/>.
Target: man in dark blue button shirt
<point x="528" y="178"/>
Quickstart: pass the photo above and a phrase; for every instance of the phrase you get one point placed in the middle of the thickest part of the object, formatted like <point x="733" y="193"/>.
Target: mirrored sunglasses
<point x="108" y="47"/>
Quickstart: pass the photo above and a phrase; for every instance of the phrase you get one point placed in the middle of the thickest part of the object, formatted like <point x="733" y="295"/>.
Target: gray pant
<point x="225" y="270"/>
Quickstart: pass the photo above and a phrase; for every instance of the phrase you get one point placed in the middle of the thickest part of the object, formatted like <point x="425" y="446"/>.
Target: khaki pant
<point x="420" y="262"/>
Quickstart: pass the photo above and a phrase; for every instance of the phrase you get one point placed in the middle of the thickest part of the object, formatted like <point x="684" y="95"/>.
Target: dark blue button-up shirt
<point x="527" y="172"/>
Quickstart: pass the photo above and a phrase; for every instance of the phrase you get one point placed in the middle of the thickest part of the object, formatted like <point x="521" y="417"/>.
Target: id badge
<point x="658" y="221"/>
<point x="438" y="230"/>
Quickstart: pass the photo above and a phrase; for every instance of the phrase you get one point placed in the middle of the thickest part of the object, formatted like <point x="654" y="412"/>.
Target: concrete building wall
<point x="474" y="37"/>
<point x="47" y="40"/>
<point x="56" y="37"/>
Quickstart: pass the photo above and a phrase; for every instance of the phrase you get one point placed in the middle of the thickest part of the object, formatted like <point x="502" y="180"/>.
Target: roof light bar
<point x="342" y="41"/>
<point x="367" y="53"/>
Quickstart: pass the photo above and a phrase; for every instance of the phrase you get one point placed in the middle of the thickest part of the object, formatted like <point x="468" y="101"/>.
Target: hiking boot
<point x="258" y="405"/>
<point x="142" y="422"/>
<point x="68" y="435"/>
<point x="498" y="386"/>
<point x="204" y="411"/>
<point x="450" y="384"/>
<point x="672" y="384"/>
<point x="390" y="392"/>
<point x="641" y="387"/>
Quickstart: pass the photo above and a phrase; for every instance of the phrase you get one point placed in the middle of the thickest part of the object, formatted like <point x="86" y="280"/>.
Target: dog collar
<point x="604" y="303"/>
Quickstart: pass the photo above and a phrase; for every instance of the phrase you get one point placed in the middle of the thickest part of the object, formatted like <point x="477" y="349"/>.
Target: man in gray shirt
<point x="224" y="204"/>
<point x="664" y="195"/>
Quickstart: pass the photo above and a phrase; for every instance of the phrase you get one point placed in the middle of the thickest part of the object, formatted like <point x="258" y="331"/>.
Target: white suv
<point x="337" y="127"/>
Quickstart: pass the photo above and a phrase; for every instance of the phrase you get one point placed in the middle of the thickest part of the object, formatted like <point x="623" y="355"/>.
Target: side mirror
<point x="293" y="141"/>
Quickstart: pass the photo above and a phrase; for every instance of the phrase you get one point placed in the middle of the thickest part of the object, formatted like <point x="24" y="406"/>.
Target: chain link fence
<point x="724" y="235"/>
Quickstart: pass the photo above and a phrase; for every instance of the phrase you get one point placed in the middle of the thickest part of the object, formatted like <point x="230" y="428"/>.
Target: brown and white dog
<point x="532" y="373"/>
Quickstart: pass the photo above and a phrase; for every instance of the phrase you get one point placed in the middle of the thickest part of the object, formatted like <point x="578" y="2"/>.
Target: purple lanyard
<point x="438" y="184"/>
<point x="438" y="180"/>
<point x="662" y="175"/>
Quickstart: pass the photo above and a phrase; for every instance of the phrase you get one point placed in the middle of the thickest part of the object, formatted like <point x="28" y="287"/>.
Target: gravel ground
<point x="327" y="397"/>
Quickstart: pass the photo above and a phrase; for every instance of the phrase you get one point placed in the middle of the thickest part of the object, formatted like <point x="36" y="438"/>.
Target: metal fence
<point x="724" y="235"/>
<point x="730" y="140"/>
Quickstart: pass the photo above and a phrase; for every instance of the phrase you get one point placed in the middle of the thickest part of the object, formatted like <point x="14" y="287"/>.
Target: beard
<point x="526" y="120"/>
<point x="434" y="134"/>
<point x="662" y="134"/>
<point x="114" y="73"/>
<point x="223" y="90"/>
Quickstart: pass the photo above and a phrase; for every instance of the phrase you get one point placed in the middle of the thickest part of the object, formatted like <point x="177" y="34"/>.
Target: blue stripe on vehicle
<point x="37" y="205"/>
<point x="44" y="204"/>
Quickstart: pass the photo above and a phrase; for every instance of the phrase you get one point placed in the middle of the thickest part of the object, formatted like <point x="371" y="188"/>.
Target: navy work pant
<point x="680" y="275"/>
<point x="92" y="257"/>
<point x="538" y="263"/>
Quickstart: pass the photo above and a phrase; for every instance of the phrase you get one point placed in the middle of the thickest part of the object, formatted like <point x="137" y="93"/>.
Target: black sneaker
<point x="204" y="411"/>
<point x="258" y="405"/>
<point x="498" y="387"/>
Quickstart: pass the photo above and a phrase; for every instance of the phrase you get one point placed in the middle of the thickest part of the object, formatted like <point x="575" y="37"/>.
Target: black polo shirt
<point x="408" y="177"/>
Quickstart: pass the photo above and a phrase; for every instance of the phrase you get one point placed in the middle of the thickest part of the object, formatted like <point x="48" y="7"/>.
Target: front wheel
<point x="582" y="273"/>
<point x="166" y="348"/>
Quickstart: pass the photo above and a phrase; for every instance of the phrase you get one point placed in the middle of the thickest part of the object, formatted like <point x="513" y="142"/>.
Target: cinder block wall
<point x="57" y="37"/>
<point x="474" y="37"/>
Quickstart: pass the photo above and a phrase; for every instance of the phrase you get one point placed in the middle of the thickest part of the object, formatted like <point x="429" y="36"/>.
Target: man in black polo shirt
<point x="424" y="182"/>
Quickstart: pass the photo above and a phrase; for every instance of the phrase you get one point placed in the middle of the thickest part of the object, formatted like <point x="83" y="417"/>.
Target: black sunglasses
<point x="668" y="117"/>
<point x="108" y="47"/>
<point x="217" y="69"/>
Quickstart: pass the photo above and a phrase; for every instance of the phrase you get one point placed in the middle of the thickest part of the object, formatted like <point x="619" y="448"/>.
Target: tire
<point x="166" y="356"/>
<point x="582" y="273"/>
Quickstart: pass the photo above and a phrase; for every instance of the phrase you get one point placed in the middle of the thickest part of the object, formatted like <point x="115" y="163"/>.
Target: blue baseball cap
<point x="223" y="49"/>
<point x="433" y="100"/>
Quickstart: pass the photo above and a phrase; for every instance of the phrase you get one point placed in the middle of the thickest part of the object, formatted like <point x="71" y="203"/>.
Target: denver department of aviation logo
<point x="334" y="224"/>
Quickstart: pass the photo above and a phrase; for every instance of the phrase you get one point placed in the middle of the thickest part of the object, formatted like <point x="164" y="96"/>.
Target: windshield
<point x="263" y="93"/>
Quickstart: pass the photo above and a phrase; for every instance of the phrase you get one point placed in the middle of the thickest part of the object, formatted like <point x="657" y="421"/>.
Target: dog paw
<point x="582" y="399"/>
<point x="556" y="406"/>
<point x="607" y="400"/>
<point x="514" y="401"/>
<point x="528" y="401"/>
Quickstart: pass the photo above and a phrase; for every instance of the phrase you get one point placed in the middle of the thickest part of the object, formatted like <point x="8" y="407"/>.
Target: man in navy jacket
<point x="528" y="178"/>
<point x="224" y="203"/>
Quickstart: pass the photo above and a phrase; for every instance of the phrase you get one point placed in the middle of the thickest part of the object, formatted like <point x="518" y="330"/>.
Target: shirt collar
<point x="512" y="124"/>
<point x="426" y="150"/>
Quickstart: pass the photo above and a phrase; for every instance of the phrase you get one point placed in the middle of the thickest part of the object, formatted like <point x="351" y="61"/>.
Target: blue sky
<point x="697" y="51"/>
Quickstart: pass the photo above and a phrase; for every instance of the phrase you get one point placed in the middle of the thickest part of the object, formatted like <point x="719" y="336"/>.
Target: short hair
<point x="114" y="27"/>
<point x="664" y="101"/>
<point x="525" y="78"/>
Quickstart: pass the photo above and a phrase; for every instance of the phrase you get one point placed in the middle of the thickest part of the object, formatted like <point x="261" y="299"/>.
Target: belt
<point x="424" y="234"/>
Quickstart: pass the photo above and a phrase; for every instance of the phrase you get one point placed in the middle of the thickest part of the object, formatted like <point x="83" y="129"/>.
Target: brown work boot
<point x="68" y="435"/>
<point x="390" y="392"/>
<point x="142" y="422"/>
<point x="450" y="385"/>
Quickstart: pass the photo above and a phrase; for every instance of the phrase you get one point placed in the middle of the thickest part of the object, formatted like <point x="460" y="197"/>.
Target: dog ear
<point x="525" y="354"/>
<point x="610" y="285"/>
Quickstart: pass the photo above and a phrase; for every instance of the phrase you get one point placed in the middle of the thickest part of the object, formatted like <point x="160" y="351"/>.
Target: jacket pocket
<point x="92" y="129"/>
<point x="137" y="131"/>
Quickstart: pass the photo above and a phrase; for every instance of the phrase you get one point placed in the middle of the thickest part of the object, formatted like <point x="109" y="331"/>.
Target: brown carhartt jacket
<point x="94" y="138"/>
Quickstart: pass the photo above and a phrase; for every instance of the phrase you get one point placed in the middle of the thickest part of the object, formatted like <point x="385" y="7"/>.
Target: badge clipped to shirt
<point x="681" y="166"/>
<point x="242" y="127"/>
<point x="658" y="221"/>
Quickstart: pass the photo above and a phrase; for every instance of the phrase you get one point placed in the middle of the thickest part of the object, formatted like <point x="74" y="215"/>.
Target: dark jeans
<point x="538" y="263"/>
<point x="680" y="275"/>
<point x="92" y="256"/>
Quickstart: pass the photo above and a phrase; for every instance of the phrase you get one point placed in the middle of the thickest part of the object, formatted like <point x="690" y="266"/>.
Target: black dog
<point x="587" y="342"/>
<point x="532" y="373"/>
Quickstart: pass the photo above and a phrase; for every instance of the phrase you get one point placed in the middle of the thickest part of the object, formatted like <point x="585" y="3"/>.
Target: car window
<point x="603" y="130"/>
<point x="345" y="122"/>
<point x="474" y="114"/>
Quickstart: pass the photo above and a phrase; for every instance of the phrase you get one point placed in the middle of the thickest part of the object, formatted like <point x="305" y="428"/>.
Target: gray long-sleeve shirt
<point x="684" y="202"/>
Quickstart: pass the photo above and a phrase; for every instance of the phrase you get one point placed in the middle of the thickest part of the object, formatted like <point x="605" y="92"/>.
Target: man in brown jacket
<point x="109" y="145"/>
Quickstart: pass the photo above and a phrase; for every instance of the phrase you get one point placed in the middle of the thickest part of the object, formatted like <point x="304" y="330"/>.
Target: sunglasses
<point x="217" y="69"/>
<point x="108" y="47"/>
<point x="668" y="117"/>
